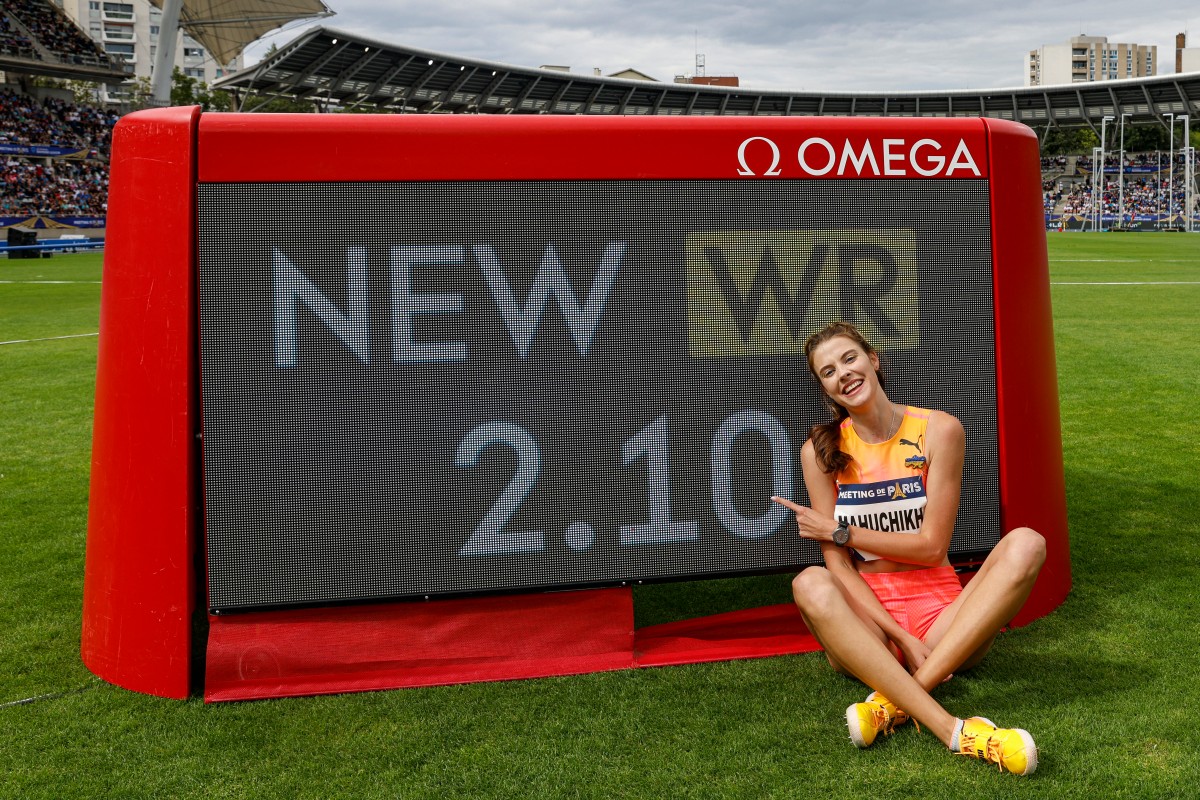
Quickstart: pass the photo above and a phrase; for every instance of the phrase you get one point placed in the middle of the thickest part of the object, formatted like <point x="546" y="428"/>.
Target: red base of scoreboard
<point x="325" y="651"/>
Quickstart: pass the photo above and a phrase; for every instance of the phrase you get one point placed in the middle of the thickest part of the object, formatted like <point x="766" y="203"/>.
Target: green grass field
<point x="1103" y="683"/>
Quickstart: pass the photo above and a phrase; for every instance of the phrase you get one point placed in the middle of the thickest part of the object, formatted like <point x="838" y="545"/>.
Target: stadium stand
<point x="55" y="158"/>
<point x="52" y="32"/>
<point x="53" y="190"/>
<point x="1153" y="192"/>
<point x="13" y="42"/>
<point x="53" y="121"/>
<point x="37" y="38"/>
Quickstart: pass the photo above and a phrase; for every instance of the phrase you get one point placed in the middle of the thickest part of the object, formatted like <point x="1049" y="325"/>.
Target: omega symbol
<point x="745" y="170"/>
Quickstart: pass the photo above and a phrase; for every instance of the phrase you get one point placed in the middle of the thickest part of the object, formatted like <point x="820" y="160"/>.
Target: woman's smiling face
<point x="847" y="372"/>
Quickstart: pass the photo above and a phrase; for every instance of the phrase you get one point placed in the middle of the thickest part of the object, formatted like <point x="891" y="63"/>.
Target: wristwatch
<point x="841" y="534"/>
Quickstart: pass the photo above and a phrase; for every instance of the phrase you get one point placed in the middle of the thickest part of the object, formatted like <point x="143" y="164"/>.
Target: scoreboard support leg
<point x="140" y="581"/>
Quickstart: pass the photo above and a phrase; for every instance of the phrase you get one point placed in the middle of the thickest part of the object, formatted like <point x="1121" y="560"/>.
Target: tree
<point x="1145" y="139"/>
<point x="1069" y="142"/>
<point x="1138" y="139"/>
<point x="189" y="91"/>
<point x="185" y="91"/>
<point x="83" y="93"/>
<point x="280" y="105"/>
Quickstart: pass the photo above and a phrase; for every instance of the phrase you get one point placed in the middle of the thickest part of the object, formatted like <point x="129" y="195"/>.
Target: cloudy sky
<point x="769" y="44"/>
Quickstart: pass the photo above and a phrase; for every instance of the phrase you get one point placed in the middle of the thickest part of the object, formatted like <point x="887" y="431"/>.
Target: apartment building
<point x="1089" y="58"/>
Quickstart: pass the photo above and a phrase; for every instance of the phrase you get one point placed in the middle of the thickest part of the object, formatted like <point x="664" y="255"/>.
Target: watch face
<point x="841" y="535"/>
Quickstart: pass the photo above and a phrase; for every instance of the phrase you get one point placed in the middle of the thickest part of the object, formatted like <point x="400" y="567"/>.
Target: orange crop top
<point x="883" y="488"/>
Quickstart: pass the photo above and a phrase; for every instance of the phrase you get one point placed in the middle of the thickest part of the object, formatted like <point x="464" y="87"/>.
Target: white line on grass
<point x="49" y="281"/>
<point x="51" y="696"/>
<point x="1124" y="283"/>
<point x="51" y="338"/>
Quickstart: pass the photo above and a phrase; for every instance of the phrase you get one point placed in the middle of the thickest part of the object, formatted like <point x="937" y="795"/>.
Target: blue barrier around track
<point x="50" y="245"/>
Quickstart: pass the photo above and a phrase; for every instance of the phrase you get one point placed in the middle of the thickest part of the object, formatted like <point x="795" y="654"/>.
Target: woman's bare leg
<point x="851" y="644"/>
<point x="965" y="630"/>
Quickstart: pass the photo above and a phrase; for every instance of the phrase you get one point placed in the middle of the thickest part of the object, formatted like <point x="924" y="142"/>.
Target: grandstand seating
<point x="1152" y="192"/>
<point x="40" y="30"/>
<point x="36" y="185"/>
<point x="13" y="41"/>
<point x="25" y="120"/>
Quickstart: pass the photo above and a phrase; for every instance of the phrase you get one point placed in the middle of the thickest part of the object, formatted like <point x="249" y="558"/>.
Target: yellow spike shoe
<point x="1009" y="749"/>
<point x="872" y="717"/>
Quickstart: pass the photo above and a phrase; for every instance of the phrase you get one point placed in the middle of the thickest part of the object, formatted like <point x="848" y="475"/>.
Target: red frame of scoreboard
<point x="144" y="569"/>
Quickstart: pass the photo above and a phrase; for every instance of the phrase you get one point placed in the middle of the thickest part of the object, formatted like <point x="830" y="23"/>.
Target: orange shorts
<point x="917" y="597"/>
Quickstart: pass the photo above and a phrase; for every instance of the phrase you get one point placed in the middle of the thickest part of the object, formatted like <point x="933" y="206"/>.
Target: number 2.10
<point x="492" y="536"/>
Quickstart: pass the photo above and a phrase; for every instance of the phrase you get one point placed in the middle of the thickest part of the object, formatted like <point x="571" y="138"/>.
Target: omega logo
<point x="818" y="157"/>
<point x="745" y="170"/>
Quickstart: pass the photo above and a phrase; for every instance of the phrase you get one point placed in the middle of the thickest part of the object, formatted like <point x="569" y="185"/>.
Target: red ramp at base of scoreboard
<point x="270" y="654"/>
<point x="749" y="633"/>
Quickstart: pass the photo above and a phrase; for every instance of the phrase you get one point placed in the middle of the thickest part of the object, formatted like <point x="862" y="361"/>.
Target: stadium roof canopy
<point x="225" y="27"/>
<point x="345" y="70"/>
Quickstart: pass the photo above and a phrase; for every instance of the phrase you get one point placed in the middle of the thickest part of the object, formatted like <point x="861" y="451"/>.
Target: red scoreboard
<point x="399" y="375"/>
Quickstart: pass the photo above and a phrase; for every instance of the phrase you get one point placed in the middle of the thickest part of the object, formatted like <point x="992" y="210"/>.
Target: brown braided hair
<point x="827" y="436"/>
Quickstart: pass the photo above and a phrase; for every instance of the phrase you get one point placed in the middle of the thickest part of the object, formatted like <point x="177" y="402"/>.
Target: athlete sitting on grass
<point x="887" y="600"/>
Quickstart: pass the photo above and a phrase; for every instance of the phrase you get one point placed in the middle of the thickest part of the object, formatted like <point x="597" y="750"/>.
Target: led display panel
<point x="431" y="388"/>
